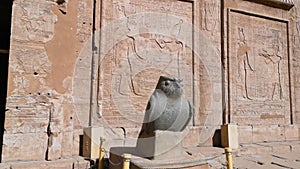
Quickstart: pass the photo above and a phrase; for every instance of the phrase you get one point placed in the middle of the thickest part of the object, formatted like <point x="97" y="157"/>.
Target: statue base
<point x="163" y="150"/>
<point x="163" y="145"/>
<point x="136" y="162"/>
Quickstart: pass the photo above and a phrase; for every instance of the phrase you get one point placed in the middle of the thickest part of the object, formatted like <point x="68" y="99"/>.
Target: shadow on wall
<point x="3" y="91"/>
<point x="5" y="20"/>
<point x="217" y="138"/>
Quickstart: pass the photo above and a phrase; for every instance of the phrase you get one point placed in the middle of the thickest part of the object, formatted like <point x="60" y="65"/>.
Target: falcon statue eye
<point x="167" y="82"/>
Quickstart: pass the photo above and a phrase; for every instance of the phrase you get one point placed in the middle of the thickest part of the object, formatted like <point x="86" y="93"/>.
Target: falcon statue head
<point x="171" y="86"/>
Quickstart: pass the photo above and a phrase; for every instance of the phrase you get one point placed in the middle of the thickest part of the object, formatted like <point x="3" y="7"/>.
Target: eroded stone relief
<point x="35" y="22"/>
<point x="130" y="70"/>
<point x="259" y="68"/>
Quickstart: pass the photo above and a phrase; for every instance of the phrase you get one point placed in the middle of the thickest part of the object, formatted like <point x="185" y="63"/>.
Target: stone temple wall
<point x="46" y="39"/>
<point x="75" y="64"/>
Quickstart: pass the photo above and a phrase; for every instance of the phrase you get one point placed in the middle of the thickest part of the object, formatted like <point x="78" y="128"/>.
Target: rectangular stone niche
<point x="258" y="69"/>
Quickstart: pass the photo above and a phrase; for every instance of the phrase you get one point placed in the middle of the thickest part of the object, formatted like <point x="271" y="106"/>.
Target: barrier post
<point x="228" y="152"/>
<point x="101" y="153"/>
<point x="126" y="161"/>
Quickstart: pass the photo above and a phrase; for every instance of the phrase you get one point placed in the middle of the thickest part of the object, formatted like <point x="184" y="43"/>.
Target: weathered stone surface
<point x="77" y="142"/>
<point x="34" y="19"/>
<point x="268" y="133"/>
<point x="27" y="146"/>
<point x="27" y="120"/>
<point x="140" y="52"/>
<point x="70" y="68"/>
<point x="259" y="69"/>
<point x="245" y="134"/>
<point x="92" y="138"/>
<point x="163" y="145"/>
<point x="229" y="136"/>
<point x="74" y="162"/>
<point x="291" y="132"/>
<point x="189" y="138"/>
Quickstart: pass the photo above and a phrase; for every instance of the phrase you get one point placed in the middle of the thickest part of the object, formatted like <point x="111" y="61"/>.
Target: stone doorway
<point x="5" y="21"/>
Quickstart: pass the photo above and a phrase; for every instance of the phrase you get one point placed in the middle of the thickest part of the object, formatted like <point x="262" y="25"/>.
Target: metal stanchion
<point x="228" y="152"/>
<point x="126" y="161"/>
<point x="101" y="153"/>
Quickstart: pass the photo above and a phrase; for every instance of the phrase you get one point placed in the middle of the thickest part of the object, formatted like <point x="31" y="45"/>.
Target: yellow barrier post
<point x="228" y="152"/>
<point x="126" y="161"/>
<point x="101" y="153"/>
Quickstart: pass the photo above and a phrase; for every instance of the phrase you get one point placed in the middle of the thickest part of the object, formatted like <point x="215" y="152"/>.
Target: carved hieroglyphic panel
<point x="259" y="84"/>
<point x="151" y="47"/>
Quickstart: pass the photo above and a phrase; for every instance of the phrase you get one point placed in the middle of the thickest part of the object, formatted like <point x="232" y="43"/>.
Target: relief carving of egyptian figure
<point x="244" y="65"/>
<point x="147" y="49"/>
<point x="272" y="57"/>
<point x="210" y="10"/>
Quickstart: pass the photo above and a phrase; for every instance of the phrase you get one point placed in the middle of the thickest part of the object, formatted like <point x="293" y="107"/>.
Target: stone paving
<point x="268" y="155"/>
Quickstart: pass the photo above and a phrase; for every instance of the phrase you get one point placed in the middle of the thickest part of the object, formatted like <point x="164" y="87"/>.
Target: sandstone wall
<point x="260" y="69"/>
<point x="46" y="39"/>
<point x="75" y="64"/>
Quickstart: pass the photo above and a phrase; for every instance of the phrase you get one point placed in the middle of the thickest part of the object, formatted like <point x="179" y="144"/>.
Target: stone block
<point x="67" y="144"/>
<point x="206" y="135"/>
<point x="277" y="147"/>
<point x="245" y="134"/>
<point x="109" y="143"/>
<point x="192" y="136"/>
<point x="291" y="132"/>
<point x="5" y="166"/>
<point x="130" y="142"/>
<point x="44" y="17"/>
<point x="68" y="117"/>
<point x="253" y="149"/>
<point x="163" y="145"/>
<point x="132" y="132"/>
<point x="77" y="142"/>
<point x="268" y="133"/>
<point x="27" y="120"/>
<point x="81" y="112"/>
<point x="27" y="146"/>
<point x="91" y="141"/>
<point x="229" y="136"/>
<point x="281" y="148"/>
<point x="54" y="149"/>
<point x="67" y="163"/>
<point x="297" y="116"/>
<point x="295" y="146"/>
<point x="137" y="162"/>
<point x="82" y="88"/>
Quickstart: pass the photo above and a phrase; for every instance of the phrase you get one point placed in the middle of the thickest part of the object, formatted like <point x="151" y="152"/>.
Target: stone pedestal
<point x="91" y="141"/>
<point x="229" y="136"/>
<point x="183" y="160"/>
<point x="163" y="145"/>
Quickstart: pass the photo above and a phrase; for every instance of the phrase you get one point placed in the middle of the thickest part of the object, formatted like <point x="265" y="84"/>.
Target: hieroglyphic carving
<point x="36" y="22"/>
<point x="244" y="64"/>
<point x="128" y="73"/>
<point x="210" y="13"/>
<point x="273" y="56"/>
<point x="259" y="68"/>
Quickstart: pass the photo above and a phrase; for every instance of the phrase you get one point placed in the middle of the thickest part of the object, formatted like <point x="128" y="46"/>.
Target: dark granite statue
<point x="167" y="109"/>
